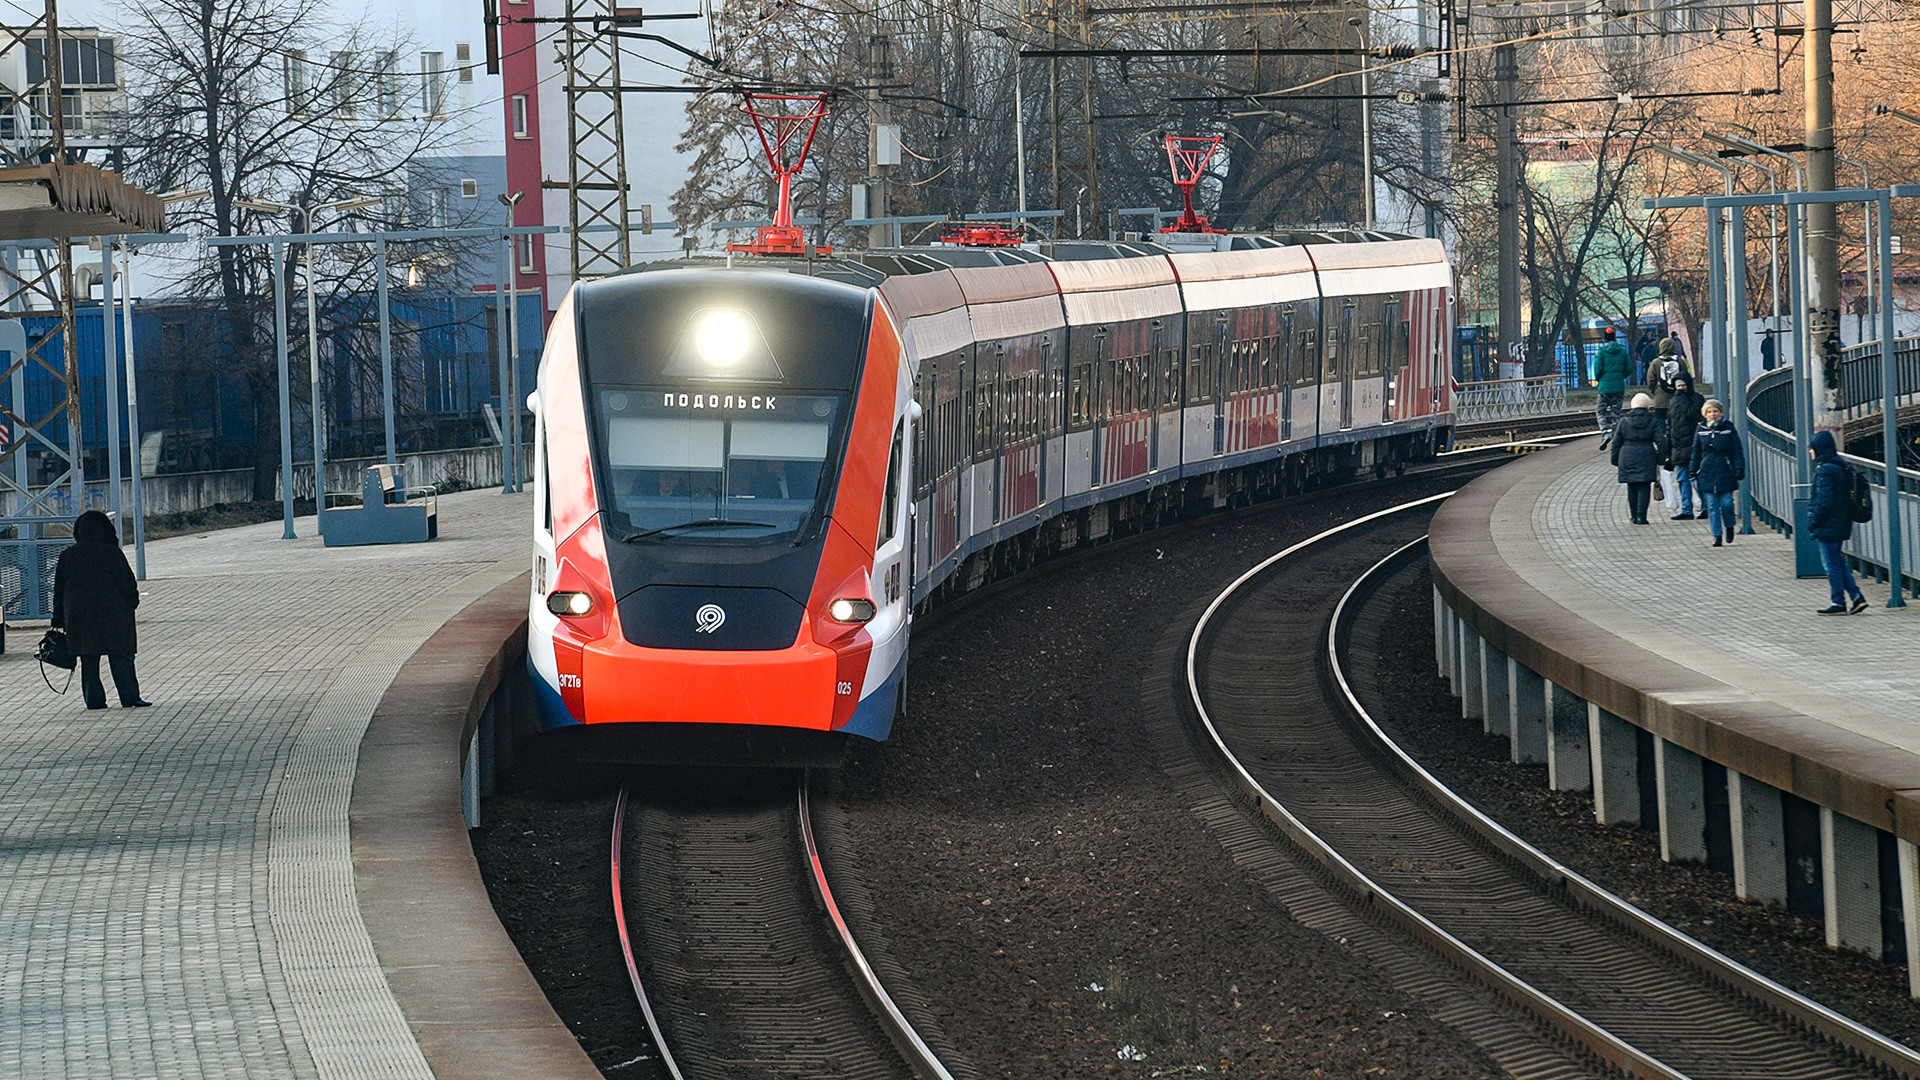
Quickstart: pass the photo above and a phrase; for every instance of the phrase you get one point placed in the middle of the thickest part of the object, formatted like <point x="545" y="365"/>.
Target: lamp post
<point x="135" y="479"/>
<point x="1866" y="243"/>
<point x="1722" y="353"/>
<point x="510" y="378"/>
<point x="313" y="342"/>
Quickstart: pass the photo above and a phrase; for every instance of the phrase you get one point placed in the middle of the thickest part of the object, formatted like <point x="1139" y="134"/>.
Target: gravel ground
<point x="1044" y="885"/>
<point x="1415" y="707"/>
<point x="1064" y="911"/>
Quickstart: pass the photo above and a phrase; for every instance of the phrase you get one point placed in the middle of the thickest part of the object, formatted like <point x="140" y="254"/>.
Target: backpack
<point x="1859" y="497"/>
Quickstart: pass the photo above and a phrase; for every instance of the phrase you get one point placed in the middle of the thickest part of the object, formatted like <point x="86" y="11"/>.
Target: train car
<point x="720" y="545"/>
<point x="749" y="478"/>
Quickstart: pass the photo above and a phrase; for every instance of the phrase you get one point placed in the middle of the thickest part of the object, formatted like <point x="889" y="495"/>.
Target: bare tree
<point x="266" y="99"/>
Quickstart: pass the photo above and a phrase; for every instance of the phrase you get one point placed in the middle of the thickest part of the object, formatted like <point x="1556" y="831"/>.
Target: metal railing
<point x="1772" y="471"/>
<point x="1509" y="399"/>
<point x="1860" y="376"/>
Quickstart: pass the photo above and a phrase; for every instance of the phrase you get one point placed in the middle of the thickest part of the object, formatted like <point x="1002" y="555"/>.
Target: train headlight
<point x="570" y="603"/>
<point x="723" y="337"/>
<point x="850" y="610"/>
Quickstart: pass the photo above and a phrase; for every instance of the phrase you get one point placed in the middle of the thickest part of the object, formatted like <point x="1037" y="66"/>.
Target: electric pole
<point x="883" y="139"/>
<point x="1507" y="198"/>
<point x="1823" y="265"/>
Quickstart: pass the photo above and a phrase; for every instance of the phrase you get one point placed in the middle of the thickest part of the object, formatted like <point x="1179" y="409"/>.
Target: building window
<point x="388" y="81"/>
<point x="463" y="57"/>
<point x="469" y="189"/>
<point x="525" y="243"/>
<point x="433" y="88"/>
<point x="393" y="207"/>
<point x="520" y="117"/>
<point x="436" y="208"/>
<point x="293" y="77"/>
<point x="340" y="78"/>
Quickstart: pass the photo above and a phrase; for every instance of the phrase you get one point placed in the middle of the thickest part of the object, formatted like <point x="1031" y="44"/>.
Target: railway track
<point x="1602" y="987"/>
<point x="737" y="952"/>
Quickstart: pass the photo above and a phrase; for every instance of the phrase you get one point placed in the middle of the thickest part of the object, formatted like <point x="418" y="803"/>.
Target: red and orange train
<point x="747" y="478"/>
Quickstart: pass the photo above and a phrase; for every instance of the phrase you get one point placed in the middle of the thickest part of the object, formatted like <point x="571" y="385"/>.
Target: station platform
<point x="1691" y="688"/>
<point x="204" y="888"/>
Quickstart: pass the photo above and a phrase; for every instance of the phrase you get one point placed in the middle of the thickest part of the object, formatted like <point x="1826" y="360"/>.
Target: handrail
<point x="1771" y="475"/>
<point x="1509" y="399"/>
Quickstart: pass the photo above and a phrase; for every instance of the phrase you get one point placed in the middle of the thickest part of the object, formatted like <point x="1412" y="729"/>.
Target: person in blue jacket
<point x="1828" y="522"/>
<point x="1719" y="464"/>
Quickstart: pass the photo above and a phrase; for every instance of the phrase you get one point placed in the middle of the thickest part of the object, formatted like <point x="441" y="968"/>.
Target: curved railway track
<point x="743" y="976"/>
<point x="1591" y="972"/>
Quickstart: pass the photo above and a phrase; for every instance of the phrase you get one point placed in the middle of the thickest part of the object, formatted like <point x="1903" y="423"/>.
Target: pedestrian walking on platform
<point x="1768" y="351"/>
<point x="1611" y="367"/>
<point x="1644" y="352"/>
<point x="94" y="594"/>
<point x="1830" y="524"/>
<point x="1669" y="366"/>
<point x="1719" y="464"/>
<point x="1683" y="419"/>
<point x="1639" y="445"/>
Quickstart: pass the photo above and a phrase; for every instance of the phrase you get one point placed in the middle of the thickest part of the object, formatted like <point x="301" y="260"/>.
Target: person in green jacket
<point x="1612" y="367"/>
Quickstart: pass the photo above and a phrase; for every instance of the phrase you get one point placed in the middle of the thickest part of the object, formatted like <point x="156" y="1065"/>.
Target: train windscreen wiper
<point x="702" y="523"/>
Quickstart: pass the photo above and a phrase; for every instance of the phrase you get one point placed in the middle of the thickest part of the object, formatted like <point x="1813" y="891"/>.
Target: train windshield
<point x="715" y="466"/>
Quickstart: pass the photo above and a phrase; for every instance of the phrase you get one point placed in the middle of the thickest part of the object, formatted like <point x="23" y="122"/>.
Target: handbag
<point x="54" y="651"/>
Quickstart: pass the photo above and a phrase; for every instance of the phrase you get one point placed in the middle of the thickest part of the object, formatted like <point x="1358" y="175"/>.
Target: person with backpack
<point x="1830" y="521"/>
<point x="1719" y="464"/>
<point x="1611" y="369"/>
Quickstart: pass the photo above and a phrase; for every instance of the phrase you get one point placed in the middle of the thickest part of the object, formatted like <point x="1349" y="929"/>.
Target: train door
<point x="892" y="593"/>
<point x="1392" y="345"/>
<point x="1044" y="403"/>
<point x="993" y="373"/>
<point x="1100" y="386"/>
<point x="1286" y="373"/>
<point x="1354" y="346"/>
<point x="1216" y="374"/>
<point x="1156" y="395"/>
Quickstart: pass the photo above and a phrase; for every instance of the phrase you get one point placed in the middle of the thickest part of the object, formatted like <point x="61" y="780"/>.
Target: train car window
<point x="1403" y="345"/>
<point x="1308" y="368"/>
<point x="727" y="462"/>
<point x="889" y="509"/>
<point x="1330" y="356"/>
<point x="1364" y="360"/>
<point x="1170" y="379"/>
<point x="1199" y="390"/>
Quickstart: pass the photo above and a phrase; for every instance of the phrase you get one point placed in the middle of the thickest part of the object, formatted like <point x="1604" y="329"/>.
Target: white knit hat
<point x="1640" y="401"/>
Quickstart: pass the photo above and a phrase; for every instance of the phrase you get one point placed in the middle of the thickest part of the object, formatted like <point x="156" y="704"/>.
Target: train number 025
<point x="843" y="688"/>
<point x="569" y="682"/>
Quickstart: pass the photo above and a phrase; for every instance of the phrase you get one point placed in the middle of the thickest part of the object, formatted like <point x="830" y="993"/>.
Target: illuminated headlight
<point x="850" y="611"/>
<point x="723" y="337"/>
<point x="570" y="603"/>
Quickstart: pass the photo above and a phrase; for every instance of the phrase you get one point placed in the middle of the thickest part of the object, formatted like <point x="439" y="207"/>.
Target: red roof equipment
<point x="967" y="234"/>
<point x="1188" y="155"/>
<point x="795" y="112"/>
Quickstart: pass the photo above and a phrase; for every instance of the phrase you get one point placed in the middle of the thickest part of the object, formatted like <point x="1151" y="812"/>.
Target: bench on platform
<point x="389" y="512"/>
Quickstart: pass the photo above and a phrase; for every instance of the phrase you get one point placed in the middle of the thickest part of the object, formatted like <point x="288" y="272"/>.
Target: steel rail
<point x="1812" y="1016"/>
<point x="1604" y="1044"/>
<point x="626" y="944"/>
<point x="925" y="1064"/>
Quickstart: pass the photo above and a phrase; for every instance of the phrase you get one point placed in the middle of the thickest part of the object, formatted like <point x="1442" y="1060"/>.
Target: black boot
<point x="1729" y="534"/>
<point x="1716" y="539"/>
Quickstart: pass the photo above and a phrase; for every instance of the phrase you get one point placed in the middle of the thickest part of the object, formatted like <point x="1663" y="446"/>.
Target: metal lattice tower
<point x="597" y="192"/>
<point x="37" y="281"/>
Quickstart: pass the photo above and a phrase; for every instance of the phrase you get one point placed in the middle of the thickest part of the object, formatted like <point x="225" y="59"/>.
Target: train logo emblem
<point x="709" y="618"/>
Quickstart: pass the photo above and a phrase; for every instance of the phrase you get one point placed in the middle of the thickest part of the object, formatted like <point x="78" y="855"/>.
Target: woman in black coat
<point x="94" y="594"/>
<point x="1639" y="444"/>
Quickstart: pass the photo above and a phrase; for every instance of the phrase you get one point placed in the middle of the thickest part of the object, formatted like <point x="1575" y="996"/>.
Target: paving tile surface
<point x="1737" y="613"/>
<point x="176" y="883"/>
